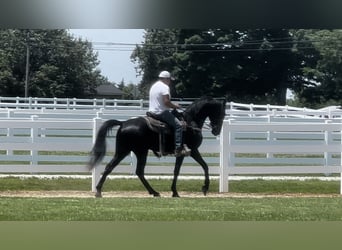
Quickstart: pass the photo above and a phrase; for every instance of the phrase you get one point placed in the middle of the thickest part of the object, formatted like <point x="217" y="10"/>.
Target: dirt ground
<point x="136" y="194"/>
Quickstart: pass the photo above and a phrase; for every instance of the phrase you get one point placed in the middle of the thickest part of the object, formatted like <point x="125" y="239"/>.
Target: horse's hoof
<point x="98" y="195"/>
<point x="175" y="195"/>
<point x="205" y="191"/>
<point x="156" y="195"/>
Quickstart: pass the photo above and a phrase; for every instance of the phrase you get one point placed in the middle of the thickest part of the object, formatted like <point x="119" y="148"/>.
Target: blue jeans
<point x="167" y="117"/>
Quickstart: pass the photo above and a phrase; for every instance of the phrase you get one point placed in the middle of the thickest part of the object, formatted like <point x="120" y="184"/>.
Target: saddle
<point x="162" y="129"/>
<point x="156" y="125"/>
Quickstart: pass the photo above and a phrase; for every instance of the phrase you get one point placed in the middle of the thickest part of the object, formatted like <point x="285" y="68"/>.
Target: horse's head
<point x="207" y="107"/>
<point x="216" y="116"/>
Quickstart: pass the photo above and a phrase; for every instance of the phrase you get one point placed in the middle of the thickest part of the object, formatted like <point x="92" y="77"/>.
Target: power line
<point x="276" y="44"/>
<point x="211" y="47"/>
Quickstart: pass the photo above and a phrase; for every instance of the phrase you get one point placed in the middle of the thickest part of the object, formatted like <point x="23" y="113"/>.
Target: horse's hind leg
<point x="109" y="168"/>
<point x="140" y="172"/>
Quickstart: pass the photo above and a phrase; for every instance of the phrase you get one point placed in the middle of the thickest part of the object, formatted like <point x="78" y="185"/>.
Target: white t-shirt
<point x="157" y="91"/>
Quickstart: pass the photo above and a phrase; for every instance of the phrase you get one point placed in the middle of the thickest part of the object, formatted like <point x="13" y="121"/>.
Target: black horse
<point x="137" y="136"/>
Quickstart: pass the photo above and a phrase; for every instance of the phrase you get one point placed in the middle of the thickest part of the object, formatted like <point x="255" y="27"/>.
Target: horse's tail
<point x="99" y="149"/>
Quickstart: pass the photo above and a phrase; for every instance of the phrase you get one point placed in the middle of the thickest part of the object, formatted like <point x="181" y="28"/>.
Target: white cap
<point x="164" y="74"/>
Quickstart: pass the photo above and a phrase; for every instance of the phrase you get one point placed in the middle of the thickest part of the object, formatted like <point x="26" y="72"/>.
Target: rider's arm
<point x="168" y="103"/>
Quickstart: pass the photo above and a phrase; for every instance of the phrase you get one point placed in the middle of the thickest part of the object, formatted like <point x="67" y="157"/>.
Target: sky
<point x="114" y="48"/>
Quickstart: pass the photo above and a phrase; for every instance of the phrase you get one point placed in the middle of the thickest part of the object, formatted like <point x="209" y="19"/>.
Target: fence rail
<point x="70" y="103"/>
<point x="232" y="108"/>
<point x="279" y="148"/>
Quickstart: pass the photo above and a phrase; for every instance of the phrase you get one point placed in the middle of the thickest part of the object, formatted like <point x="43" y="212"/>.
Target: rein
<point x="194" y="128"/>
<point x="206" y="125"/>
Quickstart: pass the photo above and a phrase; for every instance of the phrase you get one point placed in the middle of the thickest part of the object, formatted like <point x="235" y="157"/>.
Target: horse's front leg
<point x="195" y="154"/>
<point x="179" y="161"/>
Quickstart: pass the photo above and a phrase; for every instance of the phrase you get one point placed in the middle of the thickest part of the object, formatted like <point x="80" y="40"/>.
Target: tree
<point x="59" y="65"/>
<point x="156" y="54"/>
<point x="243" y="65"/>
<point x="9" y="69"/>
<point x="323" y="78"/>
<point x="130" y="91"/>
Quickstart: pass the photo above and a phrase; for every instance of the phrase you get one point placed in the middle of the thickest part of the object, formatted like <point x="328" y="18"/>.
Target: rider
<point x="160" y="105"/>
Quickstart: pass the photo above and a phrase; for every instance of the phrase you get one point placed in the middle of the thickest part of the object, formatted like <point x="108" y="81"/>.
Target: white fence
<point x="46" y="145"/>
<point x="52" y="135"/>
<point x="279" y="148"/>
<point x="71" y="103"/>
<point x="232" y="108"/>
<point x="43" y="145"/>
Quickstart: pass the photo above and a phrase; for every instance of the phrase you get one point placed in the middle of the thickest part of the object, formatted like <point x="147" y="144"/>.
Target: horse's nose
<point x="215" y="131"/>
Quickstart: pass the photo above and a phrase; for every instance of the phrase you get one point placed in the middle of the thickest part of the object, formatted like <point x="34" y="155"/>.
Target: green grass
<point x="168" y="209"/>
<point x="172" y="209"/>
<point x="244" y="186"/>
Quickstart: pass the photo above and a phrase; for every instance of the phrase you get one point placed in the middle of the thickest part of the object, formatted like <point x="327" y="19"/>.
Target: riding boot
<point x="182" y="151"/>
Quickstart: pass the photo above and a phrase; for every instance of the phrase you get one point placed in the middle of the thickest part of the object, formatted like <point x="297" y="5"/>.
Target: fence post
<point x="327" y="141"/>
<point x="54" y="103"/>
<point x="9" y="131"/>
<point x="35" y="103"/>
<point x="34" y="138"/>
<point x="17" y="102"/>
<point x="270" y="135"/>
<point x="104" y="103"/>
<point x="133" y="162"/>
<point x="115" y="104"/>
<point x="30" y="102"/>
<point x="224" y="140"/>
<point x="74" y="103"/>
<point x="67" y="104"/>
<point x="96" y="172"/>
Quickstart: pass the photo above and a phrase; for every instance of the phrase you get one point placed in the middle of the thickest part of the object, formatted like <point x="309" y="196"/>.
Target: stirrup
<point x="182" y="151"/>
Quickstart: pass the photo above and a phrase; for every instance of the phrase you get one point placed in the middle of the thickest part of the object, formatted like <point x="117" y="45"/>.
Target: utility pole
<point x="27" y="64"/>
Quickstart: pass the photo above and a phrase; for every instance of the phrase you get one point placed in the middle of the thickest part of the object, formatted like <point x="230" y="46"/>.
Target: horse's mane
<point x="194" y="107"/>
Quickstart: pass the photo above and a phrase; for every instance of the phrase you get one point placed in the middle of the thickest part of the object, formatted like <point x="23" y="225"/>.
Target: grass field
<point x="210" y="208"/>
<point x="168" y="209"/>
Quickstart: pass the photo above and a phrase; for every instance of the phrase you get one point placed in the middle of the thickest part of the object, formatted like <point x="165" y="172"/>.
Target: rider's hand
<point x="178" y="106"/>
